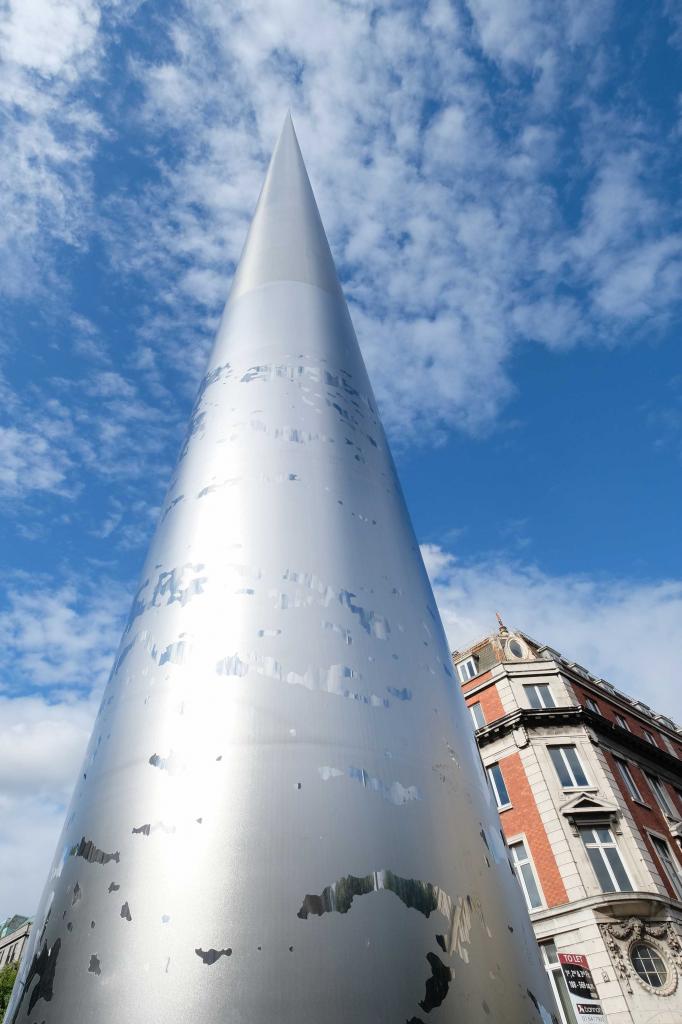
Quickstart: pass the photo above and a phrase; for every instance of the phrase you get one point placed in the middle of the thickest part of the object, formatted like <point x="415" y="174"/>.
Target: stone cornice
<point x="531" y="719"/>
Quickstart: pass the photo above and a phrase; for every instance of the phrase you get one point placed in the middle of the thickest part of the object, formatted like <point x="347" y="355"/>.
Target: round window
<point x="515" y="649"/>
<point x="649" y="964"/>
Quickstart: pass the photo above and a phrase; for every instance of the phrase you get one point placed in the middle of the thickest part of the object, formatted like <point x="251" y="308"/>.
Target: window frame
<point x="569" y="770"/>
<point x="674" y="875"/>
<point x="477" y="704"/>
<point x="521" y="840"/>
<point x="629" y="780"/>
<point x="597" y="844"/>
<point x="494" y="786"/>
<point x="461" y="665"/>
<point x="537" y="687"/>
<point x="668" y="745"/>
<point x="592" y="705"/>
<point x="660" y="794"/>
<point x="650" y="738"/>
<point x="663" y="984"/>
<point x="557" y="982"/>
<point x="622" y="721"/>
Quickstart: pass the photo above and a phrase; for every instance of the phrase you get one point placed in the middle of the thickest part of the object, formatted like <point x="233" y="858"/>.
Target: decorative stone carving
<point x="590" y="809"/>
<point x="619" y="938"/>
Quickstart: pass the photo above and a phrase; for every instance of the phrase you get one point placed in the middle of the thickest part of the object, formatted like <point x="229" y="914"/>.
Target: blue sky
<point x="499" y="180"/>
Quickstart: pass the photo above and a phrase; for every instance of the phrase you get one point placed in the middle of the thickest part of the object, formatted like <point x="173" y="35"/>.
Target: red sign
<point x="581" y="987"/>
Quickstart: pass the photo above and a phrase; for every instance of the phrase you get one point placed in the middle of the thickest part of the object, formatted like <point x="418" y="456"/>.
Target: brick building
<point x="588" y="784"/>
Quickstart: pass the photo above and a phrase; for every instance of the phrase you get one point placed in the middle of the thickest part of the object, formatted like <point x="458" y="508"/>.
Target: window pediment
<point x="586" y="810"/>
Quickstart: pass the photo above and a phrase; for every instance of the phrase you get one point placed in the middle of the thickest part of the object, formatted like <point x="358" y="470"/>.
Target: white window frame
<point x="599" y="845"/>
<point x="592" y="705"/>
<point x="477" y="704"/>
<point x="629" y="780"/>
<point x="517" y="864"/>
<point x="555" y="972"/>
<point x="650" y="738"/>
<point x="661" y="797"/>
<point x="622" y="722"/>
<point x="539" y="696"/>
<point x="467" y="670"/>
<point x="575" y="785"/>
<point x="673" y="872"/>
<point x="493" y="785"/>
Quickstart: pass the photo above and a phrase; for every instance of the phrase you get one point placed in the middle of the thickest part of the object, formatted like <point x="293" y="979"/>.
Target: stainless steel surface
<point x="282" y="813"/>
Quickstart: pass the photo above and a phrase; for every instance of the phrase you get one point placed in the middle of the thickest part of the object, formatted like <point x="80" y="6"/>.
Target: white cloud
<point x="58" y="642"/>
<point x="48" y="35"/>
<point x="102" y="425"/>
<point x="48" y="49"/>
<point x="439" y="193"/>
<point x="623" y="630"/>
<point x="41" y="747"/>
<point x="29" y="463"/>
<point x="58" y="635"/>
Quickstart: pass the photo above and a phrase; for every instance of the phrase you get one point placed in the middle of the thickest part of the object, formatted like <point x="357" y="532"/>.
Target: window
<point x="668" y="744"/>
<point x="622" y="723"/>
<point x="558" y="982"/>
<point x="649" y="738"/>
<point x="568" y="767"/>
<point x="539" y="696"/>
<point x="467" y="670"/>
<point x="515" y="648"/>
<point x="649" y="964"/>
<point x="526" y="875"/>
<point x="477" y="715"/>
<point x="592" y="705"/>
<point x="670" y="866"/>
<point x="605" y="859"/>
<point x="628" y="779"/>
<point x="662" y="798"/>
<point x="498" y="786"/>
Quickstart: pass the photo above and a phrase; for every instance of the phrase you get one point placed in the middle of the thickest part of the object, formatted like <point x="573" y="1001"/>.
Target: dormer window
<point x="467" y="670"/>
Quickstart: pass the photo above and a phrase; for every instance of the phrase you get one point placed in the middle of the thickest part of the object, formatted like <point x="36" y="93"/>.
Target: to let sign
<point x="581" y="988"/>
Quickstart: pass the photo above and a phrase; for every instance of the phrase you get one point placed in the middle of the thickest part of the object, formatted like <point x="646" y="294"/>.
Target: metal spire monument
<point x="282" y="815"/>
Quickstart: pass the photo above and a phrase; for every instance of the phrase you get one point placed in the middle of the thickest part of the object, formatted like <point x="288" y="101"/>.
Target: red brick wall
<point x="490" y="703"/>
<point x="523" y="817"/>
<point x="647" y="817"/>
<point x="610" y="710"/>
<point x="476" y="681"/>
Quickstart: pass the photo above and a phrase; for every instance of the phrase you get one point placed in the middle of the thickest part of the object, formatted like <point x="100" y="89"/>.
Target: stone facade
<point x="13" y="935"/>
<point x="589" y="787"/>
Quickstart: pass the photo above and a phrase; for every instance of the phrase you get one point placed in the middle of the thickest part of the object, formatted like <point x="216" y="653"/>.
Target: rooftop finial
<point x="503" y="629"/>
